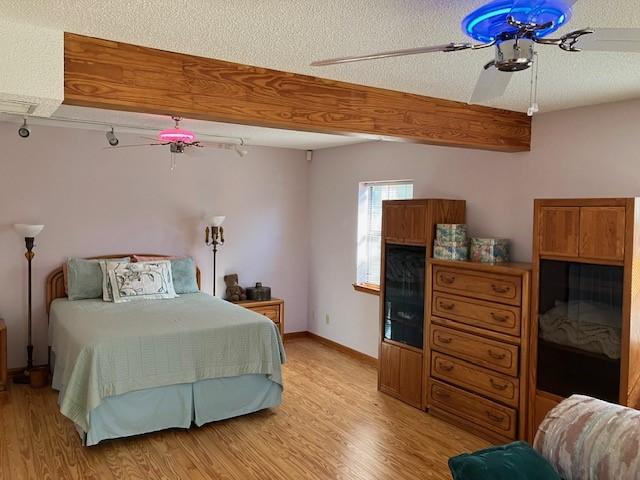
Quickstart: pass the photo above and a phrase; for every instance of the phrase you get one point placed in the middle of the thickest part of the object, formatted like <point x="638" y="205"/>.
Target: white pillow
<point x="141" y="280"/>
<point x="107" y="294"/>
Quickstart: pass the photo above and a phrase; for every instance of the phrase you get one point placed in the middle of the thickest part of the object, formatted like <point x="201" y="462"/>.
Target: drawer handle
<point x="442" y="394"/>
<point x="497" y="356"/>
<point x="499" y="288"/>
<point x="447" y="367"/>
<point x="444" y="339"/>
<point x="498" y="386"/>
<point x="498" y="317"/>
<point x="448" y="279"/>
<point x="495" y="417"/>
<point x="447" y="306"/>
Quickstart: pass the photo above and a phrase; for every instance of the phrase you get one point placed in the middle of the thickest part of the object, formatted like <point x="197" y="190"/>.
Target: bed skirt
<point x="180" y="406"/>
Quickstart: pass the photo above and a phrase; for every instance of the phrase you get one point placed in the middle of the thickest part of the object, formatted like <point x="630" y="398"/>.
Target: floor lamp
<point x="29" y="232"/>
<point x="214" y="236"/>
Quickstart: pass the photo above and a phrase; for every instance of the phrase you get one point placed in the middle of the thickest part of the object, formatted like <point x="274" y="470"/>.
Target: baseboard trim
<point x="293" y="335"/>
<point x="363" y="357"/>
<point x="12" y="372"/>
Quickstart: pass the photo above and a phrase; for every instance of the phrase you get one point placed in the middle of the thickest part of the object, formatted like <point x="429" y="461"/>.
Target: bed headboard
<point x="55" y="280"/>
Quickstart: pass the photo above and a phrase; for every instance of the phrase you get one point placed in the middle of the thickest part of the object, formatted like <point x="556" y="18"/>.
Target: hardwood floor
<point x="333" y="424"/>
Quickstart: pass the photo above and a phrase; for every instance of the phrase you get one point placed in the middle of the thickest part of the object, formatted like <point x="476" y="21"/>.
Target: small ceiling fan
<point x="178" y="139"/>
<point x="514" y="27"/>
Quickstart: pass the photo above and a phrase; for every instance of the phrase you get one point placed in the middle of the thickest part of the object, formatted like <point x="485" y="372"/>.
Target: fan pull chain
<point x="533" y="92"/>
<point x="173" y="162"/>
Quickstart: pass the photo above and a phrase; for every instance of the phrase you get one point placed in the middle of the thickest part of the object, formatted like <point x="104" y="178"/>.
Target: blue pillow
<point x="514" y="461"/>
<point x="183" y="271"/>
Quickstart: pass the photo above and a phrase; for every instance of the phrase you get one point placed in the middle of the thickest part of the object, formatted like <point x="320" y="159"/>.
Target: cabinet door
<point x="558" y="231"/>
<point x="415" y="224"/>
<point x="602" y="232"/>
<point x="389" y="368"/>
<point x="394" y="223"/>
<point x="411" y="377"/>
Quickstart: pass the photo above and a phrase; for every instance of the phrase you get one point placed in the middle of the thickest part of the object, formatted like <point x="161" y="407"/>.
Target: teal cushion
<point x="183" y="271"/>
<point x="84" y="278"/>
<point x="514" y="461"/>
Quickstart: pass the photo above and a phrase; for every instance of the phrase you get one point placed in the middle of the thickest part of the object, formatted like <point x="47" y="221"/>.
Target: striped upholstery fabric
<point x="589" y="439"/>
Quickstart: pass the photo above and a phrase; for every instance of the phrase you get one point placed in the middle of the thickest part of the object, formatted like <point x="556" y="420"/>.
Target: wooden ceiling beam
<point x="114" y="75"/>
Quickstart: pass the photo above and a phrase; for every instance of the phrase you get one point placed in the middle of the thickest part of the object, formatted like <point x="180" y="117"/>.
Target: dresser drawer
<point x="473" y="408"/>
<point x="271" y="312"/>
<point x="479" y="313"/>
<point x="485" y="286"/>
<point x="477" y="379"/>
<point x="482" y="351"/>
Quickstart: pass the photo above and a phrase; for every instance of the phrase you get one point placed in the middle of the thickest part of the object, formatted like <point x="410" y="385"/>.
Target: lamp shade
<point x="28" y="231"/>
<point x="215" y="220"/>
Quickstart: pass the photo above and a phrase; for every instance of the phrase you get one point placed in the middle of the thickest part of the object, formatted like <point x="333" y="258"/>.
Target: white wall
<point x="290" y="224"/>
<point x="96" y="202"/>
<point x="588" y="152"/>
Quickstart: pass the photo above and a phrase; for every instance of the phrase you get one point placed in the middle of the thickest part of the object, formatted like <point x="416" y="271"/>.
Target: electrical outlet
<point x="327" y="319"/>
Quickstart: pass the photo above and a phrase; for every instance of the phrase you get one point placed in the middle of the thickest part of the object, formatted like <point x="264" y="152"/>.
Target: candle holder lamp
<point x="214" y="236"/>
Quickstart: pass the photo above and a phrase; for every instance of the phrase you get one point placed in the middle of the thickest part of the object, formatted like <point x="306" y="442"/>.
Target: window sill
<point x="367" y="288"/>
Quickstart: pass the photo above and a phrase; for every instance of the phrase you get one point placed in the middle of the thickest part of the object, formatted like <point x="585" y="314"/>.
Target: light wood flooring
<point x="333" y="424"/>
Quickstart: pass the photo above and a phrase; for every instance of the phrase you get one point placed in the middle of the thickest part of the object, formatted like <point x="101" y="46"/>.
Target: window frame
<point x="364" y="227"/>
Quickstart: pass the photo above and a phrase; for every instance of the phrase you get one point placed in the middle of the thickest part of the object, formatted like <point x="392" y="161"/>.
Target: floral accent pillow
<point x="141" y="280"/>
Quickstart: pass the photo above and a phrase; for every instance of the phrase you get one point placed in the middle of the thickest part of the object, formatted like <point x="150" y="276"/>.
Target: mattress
<point x="105" y="350"/>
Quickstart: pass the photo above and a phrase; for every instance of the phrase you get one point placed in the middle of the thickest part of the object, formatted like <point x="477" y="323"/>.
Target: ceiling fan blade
<point x="610" y="40"/>
<point x="449" y="47"/>
<point x="491" y="84"/>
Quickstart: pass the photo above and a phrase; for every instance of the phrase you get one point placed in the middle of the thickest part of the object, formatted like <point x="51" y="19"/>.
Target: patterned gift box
<point x="447" y="233"/>
<point x="489" y="250"/>
<point x="450" y="250"/>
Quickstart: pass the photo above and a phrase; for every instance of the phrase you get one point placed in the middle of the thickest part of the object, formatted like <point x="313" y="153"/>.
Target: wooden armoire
<point x="408" y="230"/>
<point x="585" y="300"/>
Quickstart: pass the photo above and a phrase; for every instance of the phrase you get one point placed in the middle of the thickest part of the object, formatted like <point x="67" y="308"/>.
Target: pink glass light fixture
<point x="177" y="134"/>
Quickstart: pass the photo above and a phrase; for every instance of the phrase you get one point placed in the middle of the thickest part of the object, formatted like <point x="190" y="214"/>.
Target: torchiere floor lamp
<point x="29" y="232"/>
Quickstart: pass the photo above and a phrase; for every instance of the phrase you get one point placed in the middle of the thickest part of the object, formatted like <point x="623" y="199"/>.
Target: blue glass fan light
<point x="487" y="22"/>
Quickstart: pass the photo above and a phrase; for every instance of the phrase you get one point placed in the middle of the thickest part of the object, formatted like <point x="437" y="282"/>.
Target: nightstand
<point x="3" y="355"/>
<point x="272" y="309"/>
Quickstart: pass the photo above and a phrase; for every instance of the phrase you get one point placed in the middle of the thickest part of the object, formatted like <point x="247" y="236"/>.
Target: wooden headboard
<point x="55" y="280"/>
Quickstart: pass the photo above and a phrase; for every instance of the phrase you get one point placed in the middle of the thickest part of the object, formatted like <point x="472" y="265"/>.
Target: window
<point x="370" y="197"/>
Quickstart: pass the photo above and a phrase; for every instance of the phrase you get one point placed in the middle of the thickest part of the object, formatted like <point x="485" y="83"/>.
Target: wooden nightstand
<point x="272" y="309"/>
<point x="3" y="355"/>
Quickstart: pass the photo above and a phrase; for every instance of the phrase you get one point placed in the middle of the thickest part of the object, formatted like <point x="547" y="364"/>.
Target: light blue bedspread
<point x="104" y="349"/>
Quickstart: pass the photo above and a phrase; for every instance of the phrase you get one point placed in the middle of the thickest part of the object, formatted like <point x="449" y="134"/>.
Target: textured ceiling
<point x="288" y="34"/>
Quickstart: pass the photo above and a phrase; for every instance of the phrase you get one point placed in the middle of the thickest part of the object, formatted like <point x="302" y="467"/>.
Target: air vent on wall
<point x="16" y="107"/>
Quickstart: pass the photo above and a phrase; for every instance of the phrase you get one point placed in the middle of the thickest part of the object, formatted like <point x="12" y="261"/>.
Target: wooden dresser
<point x="272" y="309"/>
<point x="3" y="355"/>
<point x="476" y="361"/>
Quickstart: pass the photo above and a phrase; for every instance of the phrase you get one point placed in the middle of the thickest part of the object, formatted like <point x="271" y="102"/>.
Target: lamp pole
<point x="29" y="255"/>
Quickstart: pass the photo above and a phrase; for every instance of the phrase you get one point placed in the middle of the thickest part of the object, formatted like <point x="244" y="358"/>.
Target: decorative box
<point x="259" y="293"/>
<point x="450" y="250"/>
<point x="451" y="233"/>
<point x="489" y="250"/>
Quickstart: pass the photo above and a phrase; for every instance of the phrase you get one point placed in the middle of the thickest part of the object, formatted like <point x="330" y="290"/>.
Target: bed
<point x="138" y="367"/>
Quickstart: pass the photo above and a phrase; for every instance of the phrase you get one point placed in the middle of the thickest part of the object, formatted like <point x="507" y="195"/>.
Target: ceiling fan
<point x="514" y="27"/>
<point x="179" y="140"/>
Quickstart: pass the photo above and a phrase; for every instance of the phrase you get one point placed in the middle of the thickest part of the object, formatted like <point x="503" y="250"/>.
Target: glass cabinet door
<point x="404" y="294"/>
